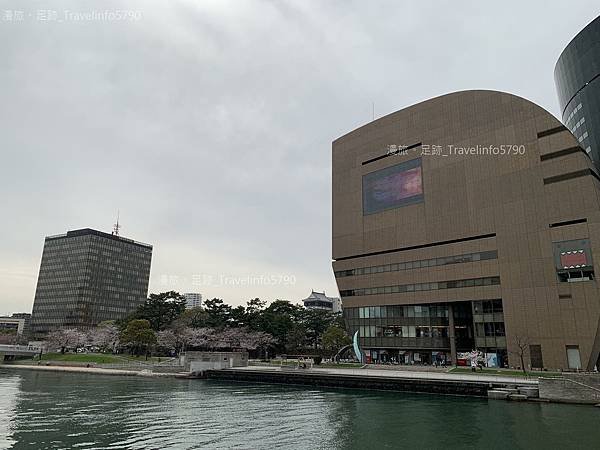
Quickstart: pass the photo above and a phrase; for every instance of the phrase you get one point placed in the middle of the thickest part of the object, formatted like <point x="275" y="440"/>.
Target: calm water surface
<point x="55" y="410"/>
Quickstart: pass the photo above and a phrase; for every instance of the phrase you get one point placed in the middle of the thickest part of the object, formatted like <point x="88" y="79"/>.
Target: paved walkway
<point x="408" y="374"/>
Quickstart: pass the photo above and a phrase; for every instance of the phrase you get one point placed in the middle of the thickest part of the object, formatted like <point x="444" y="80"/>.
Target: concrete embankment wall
<point x="89" y="370"/>
<point x="445" y="387"/>
<point x="571" y="388"/>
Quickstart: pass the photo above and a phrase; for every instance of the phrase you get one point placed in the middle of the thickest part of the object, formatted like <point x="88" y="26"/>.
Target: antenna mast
<point x="116" y="226"/>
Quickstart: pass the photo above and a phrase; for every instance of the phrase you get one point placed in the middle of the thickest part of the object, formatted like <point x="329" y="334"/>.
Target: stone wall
<point x="200" y="361"/>
<point x="320" y="379"/>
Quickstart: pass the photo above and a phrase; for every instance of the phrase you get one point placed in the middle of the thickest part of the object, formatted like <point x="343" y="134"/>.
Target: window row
<point x="487" y="306"/>
<point x="490" y="329"/>
<point x="469" y="257"/>
<point x="375" y="312"/>
<point x="577" y="108"/>
<point x="403" y="331"/>
<point x="452" y="284"/>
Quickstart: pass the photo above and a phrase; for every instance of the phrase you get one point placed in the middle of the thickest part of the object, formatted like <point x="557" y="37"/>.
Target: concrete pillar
<point x="451" y="335"/>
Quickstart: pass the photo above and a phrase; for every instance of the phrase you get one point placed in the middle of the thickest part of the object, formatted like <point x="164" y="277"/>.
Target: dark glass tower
<point x="87" y="277"/>
<point x="577" y="78"/>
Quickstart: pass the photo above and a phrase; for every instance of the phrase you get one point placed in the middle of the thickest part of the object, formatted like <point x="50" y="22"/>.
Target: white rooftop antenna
<point x="116" y="226"/>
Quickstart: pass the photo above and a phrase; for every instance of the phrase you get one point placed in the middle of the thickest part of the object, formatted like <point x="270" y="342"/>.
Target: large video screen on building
<point x="392" y="187"/>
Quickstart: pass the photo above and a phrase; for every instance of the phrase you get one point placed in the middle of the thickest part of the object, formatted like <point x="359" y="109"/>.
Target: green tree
<point x="161" y="309"/>
<point x="139" y="335"/>
<point x="254" y="311"/>
<point x="317" y="321"/>
<point x="237" y="317"/>
<point x="279" y="319"/>
<point x="334" y="339"/>
<point x="219" y="313"/>
<point x="194" y="318"/>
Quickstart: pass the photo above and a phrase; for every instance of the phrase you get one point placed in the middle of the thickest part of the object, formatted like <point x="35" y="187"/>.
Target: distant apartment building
<point x="318" y="300"/>
<point x="193" y="300"/>
<point x="12" y="325"/>
<point x="87" y="277"/>
<point x="26" y="320"/>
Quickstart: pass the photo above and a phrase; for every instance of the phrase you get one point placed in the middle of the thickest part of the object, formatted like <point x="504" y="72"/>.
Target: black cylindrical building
<point x="577" y="78"/>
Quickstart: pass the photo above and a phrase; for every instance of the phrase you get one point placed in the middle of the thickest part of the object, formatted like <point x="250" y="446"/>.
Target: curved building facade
<point x="577" y="78"/>
<point x="468" y="221"/>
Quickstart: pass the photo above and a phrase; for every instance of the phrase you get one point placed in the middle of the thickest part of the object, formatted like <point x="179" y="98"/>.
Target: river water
<point x="61" y="410"/>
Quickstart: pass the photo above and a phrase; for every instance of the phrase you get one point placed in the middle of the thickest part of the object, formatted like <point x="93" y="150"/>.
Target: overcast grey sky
<point x="208" y="124"/>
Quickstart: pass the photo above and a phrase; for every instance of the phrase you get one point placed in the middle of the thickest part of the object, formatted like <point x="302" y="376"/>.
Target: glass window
<point x="497" y="305"/>
<point x="479" y="330"/>
<point x="499" y="328"/>
<point x="487" y="307"/>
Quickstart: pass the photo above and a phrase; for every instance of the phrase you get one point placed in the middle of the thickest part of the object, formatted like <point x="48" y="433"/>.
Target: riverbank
<point x="584" y="390"/>
<point x="89" y="370"/>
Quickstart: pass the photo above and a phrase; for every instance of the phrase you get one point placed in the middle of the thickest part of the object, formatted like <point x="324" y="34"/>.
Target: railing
<point x="19" y="348"/>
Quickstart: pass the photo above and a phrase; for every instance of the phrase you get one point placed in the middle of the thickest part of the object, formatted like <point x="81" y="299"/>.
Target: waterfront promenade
<point x="399" y="373"/>
<point x="360" y="372"/>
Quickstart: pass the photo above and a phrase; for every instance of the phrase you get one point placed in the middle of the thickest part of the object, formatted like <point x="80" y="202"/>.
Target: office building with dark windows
<point x="470" y="221"/>
<point x="87" y="277"/>
<point x="577" y="78"/>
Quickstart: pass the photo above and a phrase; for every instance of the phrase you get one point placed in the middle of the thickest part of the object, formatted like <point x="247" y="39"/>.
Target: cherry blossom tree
<point x="105" y="336"/>
<point x="65" y="339"/>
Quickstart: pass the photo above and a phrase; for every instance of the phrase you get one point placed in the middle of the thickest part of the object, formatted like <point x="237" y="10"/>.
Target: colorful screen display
<point x="575" y="258"/>
<point x="392" y="187"/>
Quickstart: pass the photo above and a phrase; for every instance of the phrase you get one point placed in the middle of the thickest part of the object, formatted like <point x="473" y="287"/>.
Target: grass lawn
<point x="99" y="358"/>
<point x="500" y="372"/>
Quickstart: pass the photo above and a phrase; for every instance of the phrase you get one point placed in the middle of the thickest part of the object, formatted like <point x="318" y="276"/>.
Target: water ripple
<point x="56" y="410"/>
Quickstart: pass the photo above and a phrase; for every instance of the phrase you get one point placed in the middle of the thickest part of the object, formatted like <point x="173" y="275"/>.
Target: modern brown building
<point x="468" y="221"/>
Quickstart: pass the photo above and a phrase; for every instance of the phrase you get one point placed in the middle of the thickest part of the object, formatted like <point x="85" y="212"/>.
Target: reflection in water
<point x="57" y="410"/>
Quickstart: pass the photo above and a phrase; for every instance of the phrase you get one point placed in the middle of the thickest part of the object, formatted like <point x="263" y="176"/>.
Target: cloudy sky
<point x="208" y="124"/>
